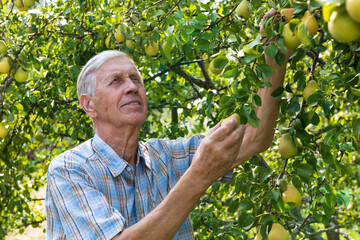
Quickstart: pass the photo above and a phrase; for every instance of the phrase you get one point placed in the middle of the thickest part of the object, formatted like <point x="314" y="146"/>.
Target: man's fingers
<point x="224" y="130"/>
<point x="213" y="129"/>
<point x="236" y="136"/>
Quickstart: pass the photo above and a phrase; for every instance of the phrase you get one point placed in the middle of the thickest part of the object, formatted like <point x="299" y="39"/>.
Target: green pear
<point x="19" y="4"/>
<point x="278" y="232"/>
<point x="119" y="36"/>
<point x="152" y="49"/>
<point x="4" y="65"/>
<point x="310" y="22"/>
<point x="310" y="89"/>
<point x="258" y="236"/>
<point x="291" y="195"/>
<point x="233" y="116"/>
<point x="291" y="39"/>
<point x="353" y="9"/>
<point x="243" y="10"/>
<point x="130" y="44"/>
<point x="213" y="69"/>
<point x="39" y="136"/>
<point x="29" y="3"/>
<point x="21" y="75"/>
<point x="342" y="27"/>
<point x="3" y="47"/>
<point x="108" y="43"/>
<point x="287" y="147"/>
<point x="3" y="131"/>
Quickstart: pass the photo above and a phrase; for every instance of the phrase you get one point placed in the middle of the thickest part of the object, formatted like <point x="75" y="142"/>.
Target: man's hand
<point x="217" y="152"/>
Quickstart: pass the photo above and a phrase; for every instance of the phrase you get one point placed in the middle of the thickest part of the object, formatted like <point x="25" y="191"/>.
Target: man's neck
<point x="123" y="141"/>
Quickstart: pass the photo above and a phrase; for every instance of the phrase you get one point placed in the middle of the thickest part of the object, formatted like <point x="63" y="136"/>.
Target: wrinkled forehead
<point x="119" y="65"/>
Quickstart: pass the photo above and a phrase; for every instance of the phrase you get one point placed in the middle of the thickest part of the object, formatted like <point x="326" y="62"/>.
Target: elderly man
<point x="115" y="187"/>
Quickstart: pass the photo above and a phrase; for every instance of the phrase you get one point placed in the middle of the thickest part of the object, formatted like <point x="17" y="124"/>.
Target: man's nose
<point x="130" y="86"/>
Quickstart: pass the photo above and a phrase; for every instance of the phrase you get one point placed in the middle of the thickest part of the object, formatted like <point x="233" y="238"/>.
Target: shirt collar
<point x="143" y="154"/>
<point x="112" y="160"/>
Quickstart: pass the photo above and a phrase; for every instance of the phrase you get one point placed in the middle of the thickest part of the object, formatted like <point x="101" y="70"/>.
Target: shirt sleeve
<point x="182" y="151"/>
<point x="77" y="210"/>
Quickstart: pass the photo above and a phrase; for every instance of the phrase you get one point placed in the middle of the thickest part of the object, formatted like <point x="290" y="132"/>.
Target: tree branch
<point x="181" y="72"/>
<point x="204" y="71"/>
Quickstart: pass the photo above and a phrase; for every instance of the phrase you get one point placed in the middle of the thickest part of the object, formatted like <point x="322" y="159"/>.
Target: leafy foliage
<point x="54" y="39"/>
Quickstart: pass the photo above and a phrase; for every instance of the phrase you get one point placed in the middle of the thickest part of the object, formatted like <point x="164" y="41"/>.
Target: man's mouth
<point x="132" y="103"/>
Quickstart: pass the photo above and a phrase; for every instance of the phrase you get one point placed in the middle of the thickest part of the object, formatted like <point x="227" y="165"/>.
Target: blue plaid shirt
<point x="92" y="193"/>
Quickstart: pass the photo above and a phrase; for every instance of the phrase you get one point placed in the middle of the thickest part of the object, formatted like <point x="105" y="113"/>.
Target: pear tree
<point x="201" y="62"/>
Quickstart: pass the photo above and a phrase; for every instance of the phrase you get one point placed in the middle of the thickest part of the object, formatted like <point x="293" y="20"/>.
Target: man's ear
<point x="88" y="105"/>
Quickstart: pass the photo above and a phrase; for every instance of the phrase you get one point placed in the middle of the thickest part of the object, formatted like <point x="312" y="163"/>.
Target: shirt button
<point x="128" y="168"/>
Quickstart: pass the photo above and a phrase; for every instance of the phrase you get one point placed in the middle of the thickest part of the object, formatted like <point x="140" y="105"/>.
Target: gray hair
<point x="86" y="81"/>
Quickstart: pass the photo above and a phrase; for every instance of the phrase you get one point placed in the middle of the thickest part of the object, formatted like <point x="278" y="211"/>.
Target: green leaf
<point x="203" y="44"/>
<point x="179" y="15"/>
<point x="246" y="221"/>
<point x="220" y="61"/>
<point x="271" y="50"/>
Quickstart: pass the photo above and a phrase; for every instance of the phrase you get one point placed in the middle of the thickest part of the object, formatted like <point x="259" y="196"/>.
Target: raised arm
<point x="259" y="139"/>
<point x="213" y="159"/>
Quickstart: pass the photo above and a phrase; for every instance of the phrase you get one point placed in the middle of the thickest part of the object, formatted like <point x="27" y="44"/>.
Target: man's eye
<point x="115" y="80"/>
<point x="135" y="79"/>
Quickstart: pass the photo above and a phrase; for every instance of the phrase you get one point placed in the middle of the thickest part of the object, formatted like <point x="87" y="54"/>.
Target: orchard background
<point x="53" y="39"/>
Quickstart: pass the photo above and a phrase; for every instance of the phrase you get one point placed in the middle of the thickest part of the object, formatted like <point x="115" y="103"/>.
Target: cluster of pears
<point x="343" y="21"/>
<point x="151" y="48"/>
<point x="24" y="5"/>
<point x="288" y="146"/>
<point x="277" y="232"/>
<point x="20" y="75"/>
<point x="4" y="61"/>
<point x="306" y="27"/>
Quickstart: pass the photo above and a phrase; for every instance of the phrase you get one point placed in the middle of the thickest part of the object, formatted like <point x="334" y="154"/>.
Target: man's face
<point x="120" y="98"/>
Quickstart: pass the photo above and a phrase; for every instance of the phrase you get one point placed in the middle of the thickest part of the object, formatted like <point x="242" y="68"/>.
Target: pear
<point x="130" y="44"/>
<point x="39" y="136"/>
<point x="3" y="47"/>
<point x="243" y="10"/>
<point x="152" y="49"/>
<point x="3" y="131"/>
<point x="213" y="69"/>
<point x="291" y="195"/>
<point x="258" y="236"/>
<point x="19" y="4"/>
<point x="342" y="27"/>
<point x="287" y="13"/>
<point x="310" y="22"/>
<point x="278" y="232"/>
<point x="287" y="147"/>
<point x="310" y="89"/>
<point x="29" y="3"/>
<point x="119" y="36"/>
<point x="233" y="116"/>
<point x="353" y="9"/>
<point x="291" y="39"/>
<point x="108" y="43"/>
<point x="21" y="75"/>
<point x="4" y="65"/>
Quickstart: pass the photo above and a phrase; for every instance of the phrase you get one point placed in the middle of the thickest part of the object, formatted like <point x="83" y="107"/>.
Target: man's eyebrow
<point x="113" y="75"/>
